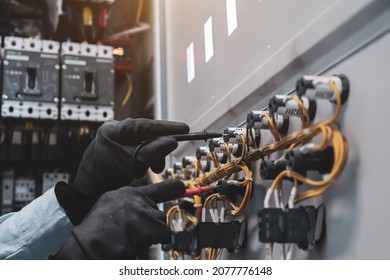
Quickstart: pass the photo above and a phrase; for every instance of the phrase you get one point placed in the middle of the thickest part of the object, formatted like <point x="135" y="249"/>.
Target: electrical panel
<point x="87" y="82"/>
<point x="33" y="70"/>
<point x="30" y="78"/>
<point x="294" y="139"/>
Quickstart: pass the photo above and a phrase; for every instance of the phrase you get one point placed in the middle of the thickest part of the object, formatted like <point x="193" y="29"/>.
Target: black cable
<point x="130" y="172"/>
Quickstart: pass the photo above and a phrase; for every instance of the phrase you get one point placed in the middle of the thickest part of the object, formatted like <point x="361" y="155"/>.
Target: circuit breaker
<point x="87" y="86"/>
<point x="24" y="192"/>
<point x="50" y="179"/>
<point x="7" y="192"/>
<point x="30" y="78"/>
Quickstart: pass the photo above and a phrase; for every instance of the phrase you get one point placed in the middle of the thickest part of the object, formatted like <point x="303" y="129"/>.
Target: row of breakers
<point x="43" y="79"/>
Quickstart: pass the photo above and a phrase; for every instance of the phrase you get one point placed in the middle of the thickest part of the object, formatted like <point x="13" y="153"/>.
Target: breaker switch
<point x="304" y="226"/>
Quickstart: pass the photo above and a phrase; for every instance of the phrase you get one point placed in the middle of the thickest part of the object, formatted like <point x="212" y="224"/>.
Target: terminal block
<point x="182" y="242"/>
<point x="179" y="171"/>
<point x="318" y="87"/>
<point x="305" y="159"/>
<point x="189" y="161"/>
<point x="232" y="135"/>
<point x="187" y="206"/>
<point x="218" y="146"/>
<point x="221" y="235"/>
<point x="285" y="105"/>
<point x="87" y="82"/>
<point x="228" y="188"/>
<point x="304" y="226"/>
<point x="31" y="73"/>
<point x="257" y="120"/>
<point x="270" y="169"/>
<point x="203" y="153"/>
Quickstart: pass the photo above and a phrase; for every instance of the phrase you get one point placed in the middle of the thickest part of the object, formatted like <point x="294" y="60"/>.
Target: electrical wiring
<point x="229" y="157"/>
<point x="139" y="11"/>
<point x="129" y="92"/>
<point x="139" y="26"/>
<point x="312" y="137"/>
<point x="179" y="220"/>
<point x="272" y="127"/>
<point x="298" y="138"/>
<point x="305" y="117"/>
<point x="330" y="136"/>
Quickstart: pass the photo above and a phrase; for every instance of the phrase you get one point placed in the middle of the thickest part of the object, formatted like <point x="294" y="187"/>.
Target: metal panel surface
<point x="275" y="43"/>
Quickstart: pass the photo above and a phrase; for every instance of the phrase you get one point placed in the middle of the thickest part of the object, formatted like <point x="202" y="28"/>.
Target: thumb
<point x="164" y="191"/>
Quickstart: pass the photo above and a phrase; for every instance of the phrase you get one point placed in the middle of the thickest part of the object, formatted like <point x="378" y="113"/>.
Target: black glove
<point x="123" y="223"/>
<point x="105" y="163"/>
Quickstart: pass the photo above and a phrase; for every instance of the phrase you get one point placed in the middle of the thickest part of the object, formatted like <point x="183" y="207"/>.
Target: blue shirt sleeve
<point x="37" y="231"/>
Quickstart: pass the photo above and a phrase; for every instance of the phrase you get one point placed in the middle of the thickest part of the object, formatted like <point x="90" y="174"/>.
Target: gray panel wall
<point x="274" y="44"/>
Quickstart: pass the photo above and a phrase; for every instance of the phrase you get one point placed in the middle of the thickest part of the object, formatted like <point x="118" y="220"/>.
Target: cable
<point x="139" y="11"/>
<point x="128" y="93"/>
<point x="330" y="136"/>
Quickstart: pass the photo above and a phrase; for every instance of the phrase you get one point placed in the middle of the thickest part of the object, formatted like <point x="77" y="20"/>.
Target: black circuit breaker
<point x="87" y="82"/>
<point x="222" y="235"/>
<point x="304" y="226"/>
<point x="182" y="241"/>
<point x="30" y="78"/>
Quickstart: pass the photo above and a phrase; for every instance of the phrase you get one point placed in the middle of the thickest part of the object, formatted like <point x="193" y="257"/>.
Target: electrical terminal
<point x="203" y="154"/>
<point x="233" y="135"/>
<point x="258" y="120"/>
<point x="321" y="161"/>
<point x="285" y="105"/>
<point x="304" y="226"/>
<point x="318" y="87"/>
<point x="220" y="147"/>
<point x="190" y="161"/>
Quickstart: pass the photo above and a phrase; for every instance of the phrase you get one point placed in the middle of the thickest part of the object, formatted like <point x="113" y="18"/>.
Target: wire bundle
<point x="330" y="136"/>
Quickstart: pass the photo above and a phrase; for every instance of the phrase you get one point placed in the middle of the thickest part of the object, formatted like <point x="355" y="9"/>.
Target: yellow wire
<point x="139" y="11"/>
<point x="274" y="130"/>
<point x="303" y="111"/>
<point x="128" y="94"/>
<point x="229" y="157"/>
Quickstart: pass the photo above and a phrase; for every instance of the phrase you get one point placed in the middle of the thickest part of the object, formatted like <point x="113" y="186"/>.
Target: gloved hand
<point x="123" y="223"/>
<point x="105" y="163"/>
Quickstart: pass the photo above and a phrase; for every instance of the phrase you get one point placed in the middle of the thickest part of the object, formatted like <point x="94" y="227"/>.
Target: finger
<point x="134" y="131"/>
<point x="154" y="153"/>
<point x="153" y="230"/>
<point x="164" y="191"/>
